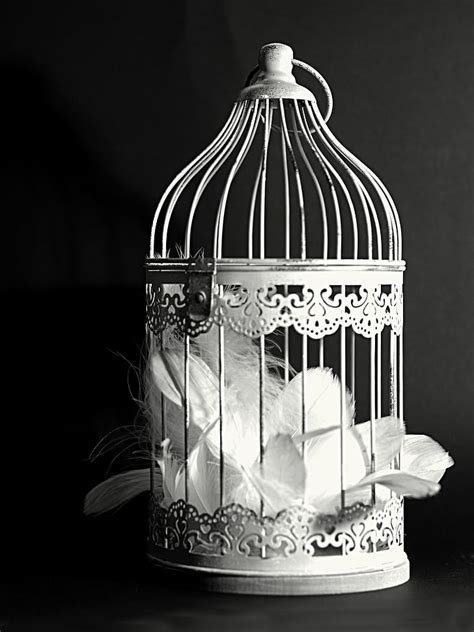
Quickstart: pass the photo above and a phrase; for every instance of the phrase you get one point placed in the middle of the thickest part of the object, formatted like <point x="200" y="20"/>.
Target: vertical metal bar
<point x="393" y="375"/>
<point x="372" y="412"/>
<point x="304" y="336"/>
<point x="394" y="383"/>
<point x="162" y="399"/>
<point x="401" y="412"/>
<point x="186" y="415"/>
<point x="263" y="182"/>
<point x="379" y="375"/>
<point x="253" y="200"/>
<point x="163" y="417"/>
<point x="261" y="412"/>
<point x="304" y="368"/>
<point x="286" y="350"/>
<point x="221" y="407"/>
<point x="353" y="364"/>
<point x="286" y="180"/>
<point x="268" y="120"/>
<point x="342" y="401"/>
<point x="152" y="432"/>
<point x="321" y="352"/>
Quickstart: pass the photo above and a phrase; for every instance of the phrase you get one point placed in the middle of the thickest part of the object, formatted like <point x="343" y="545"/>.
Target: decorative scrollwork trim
<point x="316" y="311"/>
<point x="297" y="539"/>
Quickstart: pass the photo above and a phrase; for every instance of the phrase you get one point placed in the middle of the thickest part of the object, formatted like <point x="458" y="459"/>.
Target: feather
<point x="240" y="437"/>
<point x="242" y="375"/>
<point x="423" y="457"/>
<point x="240" y="488"/>
<point x="203" y="483"/>
<point x="172" y="480"/>
<point x="322" y="401"/>
<point x="402" y="483"/>
<point x="168" y="373"/>
<point x="118" y="490"/>
<point x="323" y="465"/>
<point x="388" y="437"/>
<point x="281" y="478"/>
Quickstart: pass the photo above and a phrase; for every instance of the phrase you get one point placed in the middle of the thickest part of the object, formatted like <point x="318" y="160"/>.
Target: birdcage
<point x="275" y="328"/>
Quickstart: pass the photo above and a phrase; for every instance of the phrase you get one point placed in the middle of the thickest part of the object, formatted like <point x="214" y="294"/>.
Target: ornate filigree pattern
<point x="252" y="310"/>
<point x="295" y="532"/>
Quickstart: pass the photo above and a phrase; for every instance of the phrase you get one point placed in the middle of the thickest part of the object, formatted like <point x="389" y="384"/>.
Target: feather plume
<point x="168" y="373"/>
<point x="118" y="490"/>
<point x="322" y="401"/>
<point x="281" y="479"/>
<point x="323" y="470"/>
<point x="389" y="433"/>
<point x="242" y="374"/>
<point x="423" y="457"/>
<point x="171" y="468"/>
<point x="203" y="483"/>
<point x="402" y="483"/>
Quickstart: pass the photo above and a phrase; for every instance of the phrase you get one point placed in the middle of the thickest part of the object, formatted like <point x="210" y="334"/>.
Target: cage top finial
<point x="276" y="60"/>
<point x="273" y="77"/>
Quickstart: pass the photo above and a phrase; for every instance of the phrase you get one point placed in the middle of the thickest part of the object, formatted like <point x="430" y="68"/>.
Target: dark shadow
<point x="69" y="222"/>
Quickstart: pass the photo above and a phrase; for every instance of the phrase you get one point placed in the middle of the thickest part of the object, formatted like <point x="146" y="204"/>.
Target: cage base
<point x="254" y="584"/>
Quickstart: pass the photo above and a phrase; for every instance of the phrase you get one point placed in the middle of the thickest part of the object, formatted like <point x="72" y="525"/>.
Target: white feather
<point x="118" y="490"/>
<point x="170" y="468"/>
<point x="168" y="373"/>
<point x="280" y="480"/>
<point x="240" y="440"/>
<point x="322" y="401"/>
<point x="323" y="469"/>
<point x="402" y="483"/>
<point x="423" y="457"/>
<point x="388" y="437"/>
<point x="203" y="483"/>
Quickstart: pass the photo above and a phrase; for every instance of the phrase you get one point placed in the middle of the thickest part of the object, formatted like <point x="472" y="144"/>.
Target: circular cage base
<point x="258" y="584"/>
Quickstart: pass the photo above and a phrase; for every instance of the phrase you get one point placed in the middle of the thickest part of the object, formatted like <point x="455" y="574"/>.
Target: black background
<point x="102" y="104"/>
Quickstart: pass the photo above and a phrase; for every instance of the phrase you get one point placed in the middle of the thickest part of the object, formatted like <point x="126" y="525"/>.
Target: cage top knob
<point x="273" y="77"/>
<point x="276" y="61"/>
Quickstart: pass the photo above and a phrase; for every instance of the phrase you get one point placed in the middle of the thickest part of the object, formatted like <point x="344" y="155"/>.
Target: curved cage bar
<point x="275" y="317"/>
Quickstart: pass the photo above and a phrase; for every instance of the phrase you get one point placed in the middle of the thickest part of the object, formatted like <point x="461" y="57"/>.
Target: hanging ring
<point x="317" y="75"/>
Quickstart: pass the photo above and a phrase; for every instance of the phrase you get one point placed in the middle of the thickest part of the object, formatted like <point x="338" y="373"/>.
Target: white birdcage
<point x="273" y="338"/>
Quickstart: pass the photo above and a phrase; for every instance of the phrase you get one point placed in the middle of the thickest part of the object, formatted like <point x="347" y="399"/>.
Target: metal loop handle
<point x="317" y="75"/>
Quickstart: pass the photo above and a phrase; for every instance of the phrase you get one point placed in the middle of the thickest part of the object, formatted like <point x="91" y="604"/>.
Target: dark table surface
<point x="439" y="596"/>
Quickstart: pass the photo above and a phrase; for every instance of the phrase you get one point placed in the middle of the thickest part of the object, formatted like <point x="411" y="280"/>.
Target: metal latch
<point x="201" y="274"/>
